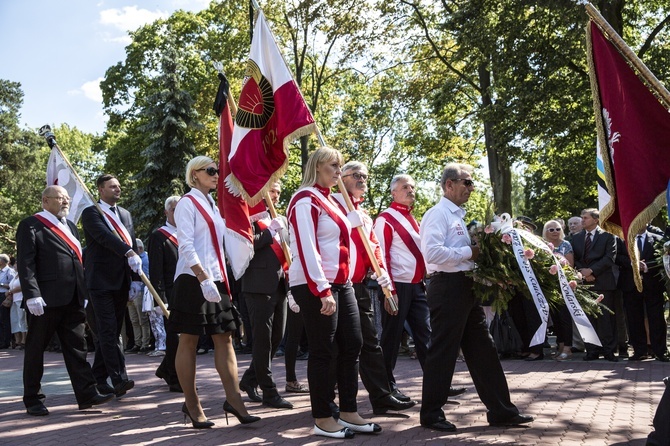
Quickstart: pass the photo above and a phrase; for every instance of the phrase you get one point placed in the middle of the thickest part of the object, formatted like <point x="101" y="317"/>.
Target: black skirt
<point x="191" y="313"/>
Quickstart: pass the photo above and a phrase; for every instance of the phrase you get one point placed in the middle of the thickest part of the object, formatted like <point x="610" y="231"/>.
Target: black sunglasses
<point x="466" y="182"/>
<point x="211" y="171"/>
<point x="553" y="229"/>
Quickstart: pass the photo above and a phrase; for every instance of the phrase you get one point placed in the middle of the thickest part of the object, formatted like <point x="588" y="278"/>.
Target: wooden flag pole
<point x="45" y="131"/>
<point x="629" y="55"/>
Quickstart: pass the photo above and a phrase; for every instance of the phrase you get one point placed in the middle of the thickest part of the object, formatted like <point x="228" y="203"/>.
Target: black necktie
<point x="587" y="245"/>
<point x="639" y="243"/>
<point x="113" y="209"/>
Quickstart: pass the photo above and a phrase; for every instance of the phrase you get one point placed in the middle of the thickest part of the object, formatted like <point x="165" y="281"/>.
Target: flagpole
<point x="45" y="131"/>
<point x="629" y="55"/>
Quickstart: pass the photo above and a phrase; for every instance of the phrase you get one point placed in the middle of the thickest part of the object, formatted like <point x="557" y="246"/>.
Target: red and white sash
<point x="170" y="233"/>
<point x="215" y="238"/>
<point x="275" y="245"/>
<point x="408" y="231"/>
<point x="118" y="226"/>
<point x="61" y="231"/>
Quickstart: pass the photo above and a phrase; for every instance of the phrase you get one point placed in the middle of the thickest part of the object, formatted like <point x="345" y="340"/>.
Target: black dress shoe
<point x="514" y="421"/>
<point x="591" y="356"/>
<point x="124" y="386"/>
<point x="636" y="357"/>
<point x="539" y="357"/>
<point x="38" y="410"/>
<point x="104" y="389"/>
<point x="389" y="402"/>
<point x="277" y="402"/>
<point x="663" y="358"/>
<point x="133" y="349"/>
<point x="611" y="358"/>
<point x="442" y="425"/>
<point x="97" y="399"/>
<point x="455" y="391"/>
<point x="400" y="396"/>
<point x="251" y="392"/>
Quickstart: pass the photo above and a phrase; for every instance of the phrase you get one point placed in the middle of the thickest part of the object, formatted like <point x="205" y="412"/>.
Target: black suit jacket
<point x="47" y="267"/>
<point x="163" y="255"/>
<point x="601" y="258"/>
<point x="264" y="274"/>
<point x="652" y="282"/>
<point x="106" y="266"/>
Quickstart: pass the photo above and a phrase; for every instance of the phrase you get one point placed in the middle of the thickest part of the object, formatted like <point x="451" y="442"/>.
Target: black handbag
<point x="505" y="335"/>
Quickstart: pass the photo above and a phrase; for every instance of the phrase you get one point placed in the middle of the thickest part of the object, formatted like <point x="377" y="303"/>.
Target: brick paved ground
<point x="574" y="403"/>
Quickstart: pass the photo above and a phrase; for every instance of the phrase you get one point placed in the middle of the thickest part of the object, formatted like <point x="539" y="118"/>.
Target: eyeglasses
<point x="211" y="171"/>
<point x="61" y="199"/>
<point x="466" y="181"/>
<point x="357" y="176"/>
<point x="553" y="229"/>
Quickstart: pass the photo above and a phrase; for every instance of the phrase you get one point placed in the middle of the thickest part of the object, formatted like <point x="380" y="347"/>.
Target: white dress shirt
<point x="195" y="240"/>
<point x="445" y="242"/>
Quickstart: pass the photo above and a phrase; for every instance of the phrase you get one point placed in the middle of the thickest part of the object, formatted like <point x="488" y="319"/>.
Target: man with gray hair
<point x="372" y="367"/>
<point x="456" y="316"/>
<point x="398" y="235"/>
<point x="163" y="255"/>
<point x="52" y="281"/>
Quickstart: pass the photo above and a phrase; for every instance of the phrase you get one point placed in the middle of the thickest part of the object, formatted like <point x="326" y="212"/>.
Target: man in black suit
<point x="595" y="254"/>
<point x="163" y="255"/>
<point x="649" y="301"/>
<point x="264" y="286"/>
<point x="52" y="282"/>
<point x="109" y="261"/>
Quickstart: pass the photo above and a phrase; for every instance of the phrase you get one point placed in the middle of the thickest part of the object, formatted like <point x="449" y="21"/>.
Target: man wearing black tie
<point x="109" y="262"/>
<point x="650" y="301"/>
<point x="52" y="282"/>
<point x="595" y="254"/>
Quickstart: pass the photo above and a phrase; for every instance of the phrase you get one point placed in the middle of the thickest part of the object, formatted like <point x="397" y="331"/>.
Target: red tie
<point x="587" y="245"/>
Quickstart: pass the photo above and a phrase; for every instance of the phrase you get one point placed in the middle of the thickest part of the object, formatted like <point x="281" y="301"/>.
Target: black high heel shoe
<point x="227" y="407"/>
<point x="196" y="424"/>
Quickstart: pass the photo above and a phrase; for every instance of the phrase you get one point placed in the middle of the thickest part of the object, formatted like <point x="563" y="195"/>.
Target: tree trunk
<point x="612" y="11"/>
<point x="499" y="166"/>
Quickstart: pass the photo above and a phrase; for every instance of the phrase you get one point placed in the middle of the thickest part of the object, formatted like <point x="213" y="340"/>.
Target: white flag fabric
<point x="60" y="174"/>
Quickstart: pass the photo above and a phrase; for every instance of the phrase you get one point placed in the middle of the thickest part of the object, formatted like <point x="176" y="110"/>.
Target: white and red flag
<point x="59" y="173"/>
<point x="233" y="208"/>
<point x="272" y="113"/>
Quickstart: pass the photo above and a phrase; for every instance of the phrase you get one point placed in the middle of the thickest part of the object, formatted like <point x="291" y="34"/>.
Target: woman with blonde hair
<point x="320" y="284"/>
<point x="202" y="304"/>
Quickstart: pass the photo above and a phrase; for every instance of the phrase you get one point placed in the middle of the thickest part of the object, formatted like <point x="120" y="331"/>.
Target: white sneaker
<point x="156" y="353"/>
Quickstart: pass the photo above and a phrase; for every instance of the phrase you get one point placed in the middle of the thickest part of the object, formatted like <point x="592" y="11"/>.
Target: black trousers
<point x="327" y="336"/>
<point x="371" y="367"/>
<point x="106" y="310"/>
<point x="605" y="326"/>
<point x="68" y="322"/>
<point x="661" y="434"/>
<point x="457" y="320"/>
<point x="295" y="328"/>
<point x="527" y="321"/>
<point x="267" y="313"/>
<point x="635" y="304"/>
<point x="413" y="308"/>
<point x="562" y="325"/>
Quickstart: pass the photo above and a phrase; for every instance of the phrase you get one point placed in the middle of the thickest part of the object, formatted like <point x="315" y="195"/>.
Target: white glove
<point x="291" y="303"/>
<point x="276" y="225"/>
<point x="384" y="280"/>
<point x="356" y="218"/>
<point x="36" y="306"/>
<point x="135" y="290"/>
<point x="210" y="291"/>
<point x="135" y="263"/>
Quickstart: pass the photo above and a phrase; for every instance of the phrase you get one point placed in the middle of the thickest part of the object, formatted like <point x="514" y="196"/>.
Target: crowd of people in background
<point x="346" y="312"/>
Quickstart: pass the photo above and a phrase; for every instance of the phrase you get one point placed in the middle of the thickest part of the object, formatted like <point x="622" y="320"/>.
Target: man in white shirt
<point x="456" y="316"/>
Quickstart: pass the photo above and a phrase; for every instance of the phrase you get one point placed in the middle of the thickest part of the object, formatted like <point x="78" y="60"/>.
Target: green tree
<point x="170" y="117"/>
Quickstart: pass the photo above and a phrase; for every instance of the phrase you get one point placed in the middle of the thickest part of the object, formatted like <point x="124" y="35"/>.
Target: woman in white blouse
<point x="202" y="304"/>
